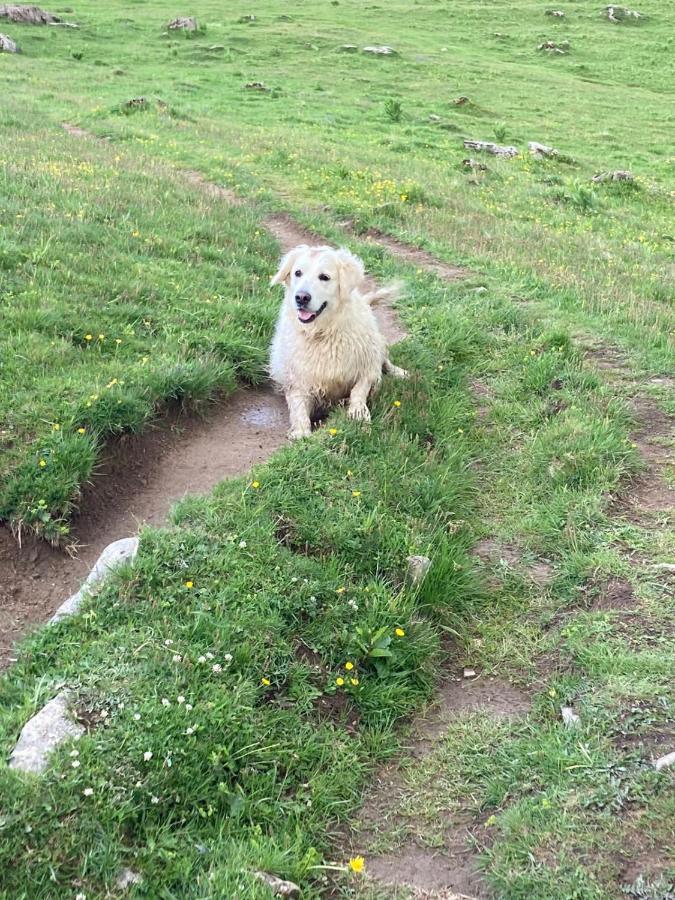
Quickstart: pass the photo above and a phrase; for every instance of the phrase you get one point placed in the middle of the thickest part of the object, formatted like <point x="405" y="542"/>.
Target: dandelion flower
<point x="81" y="430"/>
<point x="349" y="666"/>
<point x="332" y="432"/>
<point x="397" y="403"/>
<point x="340" y="590"/>
<point x="400" y="632"/>
<point x="255" y="485"/>
<point x="56" y="427"/>
<point x="42" y="463"/>
<point x="265" y="681"/>
<point x="339" y="681"/>
<point x="88" y="337"/>
<point x="357" y="863"/>
<point x="356" y="493"/>
<point x="189" y="584"/>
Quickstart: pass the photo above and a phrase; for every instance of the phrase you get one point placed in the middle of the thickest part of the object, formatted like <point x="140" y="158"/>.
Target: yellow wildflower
<point x="255" y="485"/>
<point x="56" y="427"/>
<point x="354" y="681"/>
<point x="349" y="666"/>
<point x="189" y="584"/>
<point x="357" y="863"/>
<point x="332" y="432"/>
<point x="88" y="337"/>
<point x="356" y="493"/>
<point x="265" y="681"/>
<point x="81" y="430"/>
<point x="397" y="403"/>
<point x="42" y="463"/>
<point x="400" y="632"/>
<point x="339" y="681"/>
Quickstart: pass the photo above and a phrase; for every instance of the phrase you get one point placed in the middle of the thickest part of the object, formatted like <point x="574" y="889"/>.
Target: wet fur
<point x="342" y="353"/>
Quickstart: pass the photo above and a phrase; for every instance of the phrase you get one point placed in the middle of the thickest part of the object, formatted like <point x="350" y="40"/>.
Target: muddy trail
<point x="138" y="480"/>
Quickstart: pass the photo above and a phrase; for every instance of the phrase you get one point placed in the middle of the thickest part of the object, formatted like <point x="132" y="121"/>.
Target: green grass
<point x="107" y="238"/>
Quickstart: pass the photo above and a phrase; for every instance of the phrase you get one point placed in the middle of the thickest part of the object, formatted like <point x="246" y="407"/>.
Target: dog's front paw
<point x="300" y="431"/>
<point x="398" y="372"/>
<point x="359" y="411"/>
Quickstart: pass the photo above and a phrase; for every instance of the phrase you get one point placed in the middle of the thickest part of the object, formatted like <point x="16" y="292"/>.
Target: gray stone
<point x="7" y="45"/>
<point x="183" y="23"/>
<point x="569" y="717"/>
<point x="126" y="878"/>
<point x="42" y="734"/>
<point x="381" y="51"/>
<point x="278" y="886"/>
<point x="114" y="555"/>
<point x="664" y="762"/>
<point x="418" y="566"/>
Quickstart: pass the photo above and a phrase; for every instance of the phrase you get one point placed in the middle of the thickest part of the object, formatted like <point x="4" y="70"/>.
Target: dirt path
<point x="137" y="482"/>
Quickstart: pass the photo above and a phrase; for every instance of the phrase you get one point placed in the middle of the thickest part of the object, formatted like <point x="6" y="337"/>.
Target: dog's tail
<point x="387" y="294"/>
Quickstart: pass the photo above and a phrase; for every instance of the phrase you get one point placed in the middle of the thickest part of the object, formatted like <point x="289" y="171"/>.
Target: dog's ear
<point x="287" y="263"/>
<point x="350" y="271"/>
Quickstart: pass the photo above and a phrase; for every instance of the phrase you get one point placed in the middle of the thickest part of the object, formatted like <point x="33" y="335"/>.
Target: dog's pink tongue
<point x="305" y="315"/>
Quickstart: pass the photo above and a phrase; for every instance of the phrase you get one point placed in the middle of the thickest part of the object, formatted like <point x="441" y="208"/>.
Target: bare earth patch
<point x="450" y="870"/>
<point x="138" y="481"/>
<point x="494" y="553"/>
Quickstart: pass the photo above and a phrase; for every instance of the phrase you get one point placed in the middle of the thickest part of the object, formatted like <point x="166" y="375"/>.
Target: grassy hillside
<point x="536" y="424"/>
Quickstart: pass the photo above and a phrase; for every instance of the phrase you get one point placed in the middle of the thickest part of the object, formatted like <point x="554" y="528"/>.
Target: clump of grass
<point x="393" y="109"/>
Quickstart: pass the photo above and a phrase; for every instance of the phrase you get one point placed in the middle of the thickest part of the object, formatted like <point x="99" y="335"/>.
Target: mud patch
<point x="616" y="594"/>
<point x="453" y="869"/>
<point x="209" y="187"/>
<point x="502" y="554"/>
<point x="138" y="481"/>
<point x="415" y="256"/>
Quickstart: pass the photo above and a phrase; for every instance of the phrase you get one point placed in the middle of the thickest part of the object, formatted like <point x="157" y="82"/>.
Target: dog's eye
<point x="323" y="277"/>
<point x="298" y="273"/>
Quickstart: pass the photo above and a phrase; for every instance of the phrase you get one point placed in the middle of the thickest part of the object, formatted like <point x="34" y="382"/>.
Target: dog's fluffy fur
<point x="327" y="345"/>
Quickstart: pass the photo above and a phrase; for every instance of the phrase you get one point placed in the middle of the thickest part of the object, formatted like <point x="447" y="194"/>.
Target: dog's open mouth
<point x="307" y="315"/>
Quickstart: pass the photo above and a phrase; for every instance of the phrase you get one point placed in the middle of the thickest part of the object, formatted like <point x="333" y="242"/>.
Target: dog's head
<point x="319" y="282"/>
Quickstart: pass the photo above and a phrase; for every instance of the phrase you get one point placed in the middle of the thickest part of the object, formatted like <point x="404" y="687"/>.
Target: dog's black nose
<point x="302" y="298"/>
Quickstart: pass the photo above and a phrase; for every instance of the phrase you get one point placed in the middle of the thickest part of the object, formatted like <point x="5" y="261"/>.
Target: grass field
<point x="543" y="383"/>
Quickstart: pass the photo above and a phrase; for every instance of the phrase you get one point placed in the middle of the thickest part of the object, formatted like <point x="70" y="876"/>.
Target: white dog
<point x="327" y="345"/>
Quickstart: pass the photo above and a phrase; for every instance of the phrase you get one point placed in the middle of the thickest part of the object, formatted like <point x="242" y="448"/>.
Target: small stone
<point x="434" y="118"/>
<point x="114" y="555"/>
<point x="664" y="762"/>
<point x="278" y="886"/>
<point x="469" y="673"/>
<point x="44" y="733"/>
<point x="569" y="717"/>
<point x="381" y="51"/>
<point x="126" y="878"/>
<point x="7" y="45"/>
<point x="183" y="23"/>
<point x="418" y="566"/>
<point x="256" y="86"/>
<point x="348" y="48"/>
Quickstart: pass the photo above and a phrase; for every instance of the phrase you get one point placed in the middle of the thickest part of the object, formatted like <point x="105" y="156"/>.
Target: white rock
<point x="469" y="673"/>
<point x="418" y="566"/>
<point x="381" y="51"/>
<point x="126" y="878"/>
<point x="664" y="762"/>
<point x="114" y="555"/>
<point x="42" y="734"/>
<point x="278" y="886"/>
<point x="569" y="717"/>
<point x="7" y="45"/>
